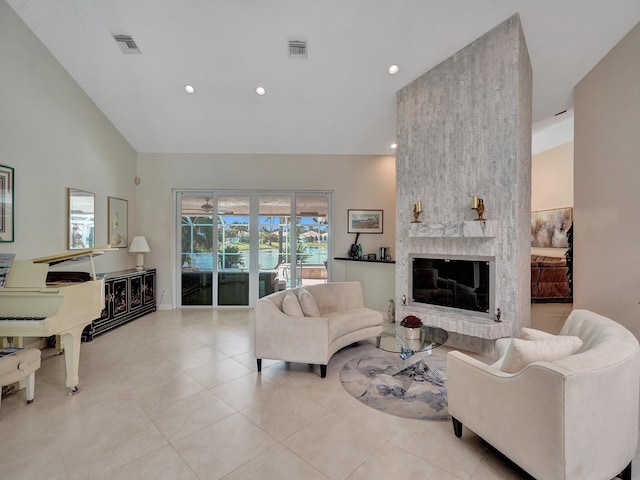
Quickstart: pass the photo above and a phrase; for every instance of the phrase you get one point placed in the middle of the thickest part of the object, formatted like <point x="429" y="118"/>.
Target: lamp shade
<point x="139" y="245"/>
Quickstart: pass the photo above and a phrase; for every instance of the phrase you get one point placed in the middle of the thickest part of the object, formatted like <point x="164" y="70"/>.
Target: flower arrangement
<point x="411" y="321"/>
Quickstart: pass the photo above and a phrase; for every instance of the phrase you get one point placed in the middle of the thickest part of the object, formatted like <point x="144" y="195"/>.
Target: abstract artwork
<point x="549" y="227"/>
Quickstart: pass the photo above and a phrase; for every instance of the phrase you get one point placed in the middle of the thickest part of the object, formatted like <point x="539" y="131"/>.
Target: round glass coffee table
<point x="412" y="351"/>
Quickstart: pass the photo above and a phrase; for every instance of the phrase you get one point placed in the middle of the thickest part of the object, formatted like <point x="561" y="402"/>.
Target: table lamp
<point x="139" y="246"/>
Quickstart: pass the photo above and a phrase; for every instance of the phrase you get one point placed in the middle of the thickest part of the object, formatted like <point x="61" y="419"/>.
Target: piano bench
<point x="18" y="366"/>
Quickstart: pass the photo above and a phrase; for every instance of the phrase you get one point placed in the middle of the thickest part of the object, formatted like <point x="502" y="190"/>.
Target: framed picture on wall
<point x="364" y="221"/>
<point x="6" y="204"/>
<point x="118" y="228"/>
<point x="549" y="227"/>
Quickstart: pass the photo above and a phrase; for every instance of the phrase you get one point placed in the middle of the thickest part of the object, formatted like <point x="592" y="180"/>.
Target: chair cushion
<point x="291" y="305"/>
<point x="308" y="303"/>
<point x="523" y="352"/>
<point x="533" y="334"/>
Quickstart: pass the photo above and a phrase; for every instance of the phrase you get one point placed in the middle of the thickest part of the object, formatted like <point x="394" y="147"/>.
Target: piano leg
<point x="30" y="382"/>
<point x="71" y="344"/>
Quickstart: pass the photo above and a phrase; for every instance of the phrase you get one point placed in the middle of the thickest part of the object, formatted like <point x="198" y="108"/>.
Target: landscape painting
<point x="365" y="221"/>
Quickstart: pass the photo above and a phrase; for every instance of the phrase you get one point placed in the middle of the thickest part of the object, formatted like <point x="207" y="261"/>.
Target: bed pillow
<point x="523" y="352"/>
<point x="291" y="305"/>
<point x="533" y="334"/>
<point x="308" y="303"/>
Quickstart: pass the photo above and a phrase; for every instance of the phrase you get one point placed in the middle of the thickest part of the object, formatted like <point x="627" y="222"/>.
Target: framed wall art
<point x="6" y="204"/>
<point x="118" y="227"/>
<point x="81" y="219"/>
<point x="549" y="227"/>
<point x="364" y="221"/>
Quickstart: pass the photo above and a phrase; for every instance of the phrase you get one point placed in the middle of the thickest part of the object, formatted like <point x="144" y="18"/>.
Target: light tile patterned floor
<point x="175" y="395"/>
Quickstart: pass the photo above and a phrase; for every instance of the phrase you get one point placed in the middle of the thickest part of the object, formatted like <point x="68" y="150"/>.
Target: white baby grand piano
<point x="38" y="303"/>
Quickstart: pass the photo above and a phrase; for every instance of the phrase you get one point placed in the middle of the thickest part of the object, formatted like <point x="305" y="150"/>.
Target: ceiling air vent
<point x="126" y="44"/>
<point x="298" y="48"/>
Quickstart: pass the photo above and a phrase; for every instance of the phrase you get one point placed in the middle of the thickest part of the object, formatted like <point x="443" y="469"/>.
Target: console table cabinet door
<point x="135" y="290"/>
<point x="120" y="297"/>
<point x="149" y="288"/>
<point x="129" y="294"/>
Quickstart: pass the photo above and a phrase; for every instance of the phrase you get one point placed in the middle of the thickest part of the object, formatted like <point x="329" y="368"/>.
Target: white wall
<point x="54" y="137"/>
<point x="358" y="182"/>
<point x="606" y="228"/>
<point x="552" y="185"/>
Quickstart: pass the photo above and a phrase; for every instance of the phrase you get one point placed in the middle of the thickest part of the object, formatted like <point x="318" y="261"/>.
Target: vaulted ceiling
<point x="339" y="100"/>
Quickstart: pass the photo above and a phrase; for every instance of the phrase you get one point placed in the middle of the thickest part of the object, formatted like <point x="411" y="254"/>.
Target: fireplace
<point x="455" y="283"/>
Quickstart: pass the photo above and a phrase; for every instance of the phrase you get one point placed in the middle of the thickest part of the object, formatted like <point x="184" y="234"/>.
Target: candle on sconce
<point x="419" y="206"/>
<point x="474" y="202"/>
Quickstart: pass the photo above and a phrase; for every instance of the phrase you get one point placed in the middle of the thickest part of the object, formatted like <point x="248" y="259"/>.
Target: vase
<point x="412" y="333"/>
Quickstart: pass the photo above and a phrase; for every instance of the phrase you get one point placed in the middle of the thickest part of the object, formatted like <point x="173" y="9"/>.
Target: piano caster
<point x="74" y="391"/>
<point x="29" y="402"/>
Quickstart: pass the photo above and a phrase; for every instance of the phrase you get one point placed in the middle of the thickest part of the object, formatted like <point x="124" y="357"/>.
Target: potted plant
<point x="411" y="326"/>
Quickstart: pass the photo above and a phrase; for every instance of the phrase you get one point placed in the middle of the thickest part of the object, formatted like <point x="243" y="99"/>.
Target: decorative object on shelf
<point x="417" y="210"/>
<point x="354" y="249"/>
<point x="139" y="246"/>
<point x="118" y="222"/>
<point x="364" y="221"/>
<point x="477" y="204"/>
<point x="81" y="217"/>
<point x="6" y="204"/>
<point x="384" y="254"/>
<point x="411" y="325"/>
<point x="498" y="315"/>
<point x="371" y="257"/>
<point x="404" y="299"/>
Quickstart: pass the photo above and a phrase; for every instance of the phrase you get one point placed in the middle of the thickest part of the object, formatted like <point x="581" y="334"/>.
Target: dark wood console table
<point x="128" y="294"/>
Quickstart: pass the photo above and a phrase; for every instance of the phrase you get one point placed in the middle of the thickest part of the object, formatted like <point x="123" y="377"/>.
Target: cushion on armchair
<point x="523" y="352"/>
<point x="533" y="334"/>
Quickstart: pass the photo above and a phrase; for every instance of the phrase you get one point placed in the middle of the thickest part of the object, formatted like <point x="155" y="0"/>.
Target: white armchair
<point x="574" y="418"/>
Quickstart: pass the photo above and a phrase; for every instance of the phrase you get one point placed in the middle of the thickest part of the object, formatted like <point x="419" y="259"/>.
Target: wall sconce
<point x="139" y="246"/>
<point x="417" y="210"/>
<point x="477" y="204"/>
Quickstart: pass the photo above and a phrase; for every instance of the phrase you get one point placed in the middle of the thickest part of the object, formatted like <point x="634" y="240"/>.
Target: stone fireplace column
<point x="464" y="130"/>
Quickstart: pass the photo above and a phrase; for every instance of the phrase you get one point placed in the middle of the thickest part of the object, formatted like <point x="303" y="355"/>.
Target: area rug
<point x="370" y="380"/>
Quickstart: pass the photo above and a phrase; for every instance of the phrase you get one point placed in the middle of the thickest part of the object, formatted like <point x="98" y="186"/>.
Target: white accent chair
<point x="571" y="419"/>
<point x="343" y="319"/>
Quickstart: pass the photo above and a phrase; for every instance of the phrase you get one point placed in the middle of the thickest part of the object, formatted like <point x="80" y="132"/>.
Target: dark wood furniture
<point x="128" y="294"/>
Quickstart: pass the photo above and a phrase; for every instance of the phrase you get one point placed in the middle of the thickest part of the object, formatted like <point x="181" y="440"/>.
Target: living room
<point x="60" y="140"/>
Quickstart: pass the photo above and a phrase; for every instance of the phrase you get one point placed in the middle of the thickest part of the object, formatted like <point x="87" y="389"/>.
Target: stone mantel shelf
<point x="463" y="228"/>
<point x="471" y="326"/>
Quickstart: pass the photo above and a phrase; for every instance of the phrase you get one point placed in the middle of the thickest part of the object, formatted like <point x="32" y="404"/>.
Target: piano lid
<point x="33" y="273"/>
<point x="73" y="256"/>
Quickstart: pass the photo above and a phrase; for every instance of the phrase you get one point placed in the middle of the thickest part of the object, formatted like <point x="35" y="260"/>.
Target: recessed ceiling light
<point x="260" y="91"/>
<point x="394" y="145"/>
<point x="190" y="89"/>
<point x="393" y="69"/>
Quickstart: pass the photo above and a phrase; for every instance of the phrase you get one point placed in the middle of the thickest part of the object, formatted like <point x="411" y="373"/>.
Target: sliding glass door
<point x="235" y="247"/>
